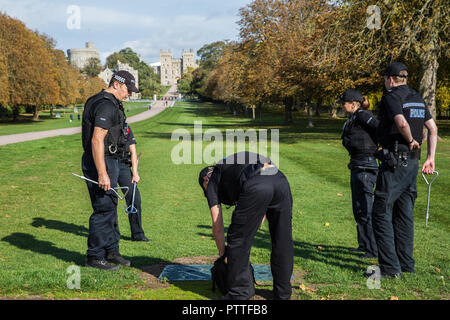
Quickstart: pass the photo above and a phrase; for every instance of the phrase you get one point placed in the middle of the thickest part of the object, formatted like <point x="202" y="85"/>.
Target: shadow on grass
<point x="65" y="227"/>
<point x="148" y="265"/>
<point x="325" y="129"/>
<point x="28" y="242"/>
<point x="61" y="226"/>
<point x="339" y="256"/>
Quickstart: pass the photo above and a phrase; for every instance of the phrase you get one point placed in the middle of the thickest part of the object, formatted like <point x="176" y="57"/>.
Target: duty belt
<point x="403" y="156"/>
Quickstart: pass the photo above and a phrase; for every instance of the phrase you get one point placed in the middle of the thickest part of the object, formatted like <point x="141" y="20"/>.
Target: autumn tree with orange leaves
<point x="309" y="51"/>
<point x="34" y="74"/>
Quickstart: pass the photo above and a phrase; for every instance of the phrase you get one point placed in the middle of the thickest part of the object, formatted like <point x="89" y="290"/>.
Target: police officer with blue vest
<point x="128" y="175"/>
<point x="403" y="114"/>
<point x="102" y="135"/>
<point x="359" y="138"/>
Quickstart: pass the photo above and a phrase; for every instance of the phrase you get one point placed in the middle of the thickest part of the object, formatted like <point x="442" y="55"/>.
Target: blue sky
<point x="144" y="26"/>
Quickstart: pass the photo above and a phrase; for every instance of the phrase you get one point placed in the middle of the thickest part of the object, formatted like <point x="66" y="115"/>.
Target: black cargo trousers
<point x="393" y="219"/>
<point x="261" y="195"/>
<point x="104" y="232"/>
<point x="135" y="219"/>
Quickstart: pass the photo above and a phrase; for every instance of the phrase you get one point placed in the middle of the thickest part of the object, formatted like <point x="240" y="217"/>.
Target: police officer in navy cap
<point x="257" y="188"/>
<point x="403" y="114"/>
<point x="359" y="138"/>
<point x="128" y="175"/>
<point x="102" y="136"/>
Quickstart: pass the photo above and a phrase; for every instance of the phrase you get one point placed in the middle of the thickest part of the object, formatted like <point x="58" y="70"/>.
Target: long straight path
<point x="157" y="107"/>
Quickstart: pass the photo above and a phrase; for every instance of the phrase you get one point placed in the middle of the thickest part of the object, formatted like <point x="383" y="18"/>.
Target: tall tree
<point x="209" y="54"/>
<point x="30" y="69"/>
<point x="92" y="68"/>
<point x="373" y="33"/>
<point x="149" y="81"/>
<point x="4" y="92"/>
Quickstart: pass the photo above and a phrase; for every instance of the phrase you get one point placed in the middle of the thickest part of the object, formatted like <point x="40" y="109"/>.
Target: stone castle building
<point x="79" y="57"/>
<point x="171" y="69"/>
<point x="107" y="74"/>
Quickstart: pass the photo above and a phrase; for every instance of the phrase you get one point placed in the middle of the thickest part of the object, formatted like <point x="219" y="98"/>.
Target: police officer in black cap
<point x="257" y="188"/>
<point x="358" y="137"/>
<point x="102" y="135"/>
<point x="128" y="160"/>
<point x="403" y="114"/>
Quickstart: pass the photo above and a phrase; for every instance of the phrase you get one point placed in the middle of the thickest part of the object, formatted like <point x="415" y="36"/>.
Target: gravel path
<point x="158" y="107"/>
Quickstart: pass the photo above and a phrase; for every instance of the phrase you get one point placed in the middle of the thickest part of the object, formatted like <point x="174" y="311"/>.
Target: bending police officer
<point x="102" y="128"/>
<point x="358" y="137"/>
<point x="403" y="114"/>
<point x="257" y="188"/>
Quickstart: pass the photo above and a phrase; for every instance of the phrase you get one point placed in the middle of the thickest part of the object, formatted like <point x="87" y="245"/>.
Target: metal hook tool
<point x="113" y="189"/>
<point x="429" y="191"/>
<point x="132" y="209"/>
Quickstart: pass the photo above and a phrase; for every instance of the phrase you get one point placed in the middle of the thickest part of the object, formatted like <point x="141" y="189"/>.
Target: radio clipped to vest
<point x="116" y="137"/>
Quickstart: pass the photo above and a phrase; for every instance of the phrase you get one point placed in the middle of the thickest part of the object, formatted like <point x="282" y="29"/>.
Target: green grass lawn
<point x="45" y="214"/>
<point x="45" y="122"/>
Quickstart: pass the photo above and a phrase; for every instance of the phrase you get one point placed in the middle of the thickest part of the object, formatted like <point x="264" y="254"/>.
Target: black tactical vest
<point x="114" y="137"/>
<point x="357" y="139"/>
<point x="124" y="144"/>
<point x="414" y="111"/>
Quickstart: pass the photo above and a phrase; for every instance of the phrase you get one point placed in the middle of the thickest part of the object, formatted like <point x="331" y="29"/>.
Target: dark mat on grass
<point x="200" y="272"/>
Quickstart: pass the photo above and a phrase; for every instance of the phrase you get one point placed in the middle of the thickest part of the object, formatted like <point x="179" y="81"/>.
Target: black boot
<point x="116" y="258"/>
<point x="143" y="238"/>
<point x="101" y="264"/>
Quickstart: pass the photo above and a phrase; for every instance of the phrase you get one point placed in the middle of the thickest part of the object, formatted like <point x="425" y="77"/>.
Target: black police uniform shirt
<point x="103" y="114"/>
<point x="229" y="175"/>
<point x="408" y="102"/>
<point x="359" y="134"/>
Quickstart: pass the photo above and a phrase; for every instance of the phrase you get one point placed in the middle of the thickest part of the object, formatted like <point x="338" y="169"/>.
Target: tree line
<point x="149" y="81"/>
<point x="305" y="53"/>
<point x="35" y="75"/>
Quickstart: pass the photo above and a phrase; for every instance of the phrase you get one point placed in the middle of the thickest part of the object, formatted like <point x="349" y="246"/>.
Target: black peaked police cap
<point x="127" y="78"/>
<point x="394" y="69"/>
<point x="350" y="96"/>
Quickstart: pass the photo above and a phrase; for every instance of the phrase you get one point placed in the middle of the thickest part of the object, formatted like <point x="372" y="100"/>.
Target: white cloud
<point x="114" y="25"/>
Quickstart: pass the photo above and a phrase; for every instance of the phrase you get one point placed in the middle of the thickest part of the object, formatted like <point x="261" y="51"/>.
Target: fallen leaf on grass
<point x="319" y="247"/>
<point x="394" y="298"/>
<point x="305" y="288"/>
<point x="436" y="268"/>
<point x="7" y="216"/>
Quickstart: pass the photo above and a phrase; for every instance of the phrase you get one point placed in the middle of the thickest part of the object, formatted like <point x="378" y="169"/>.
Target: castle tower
<point x="79" y="58"/>
<point x="188" y="59"/>
<point x="176" y="70"/>
<point x="166" y="67"/>
<point x="172" y="69"/>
